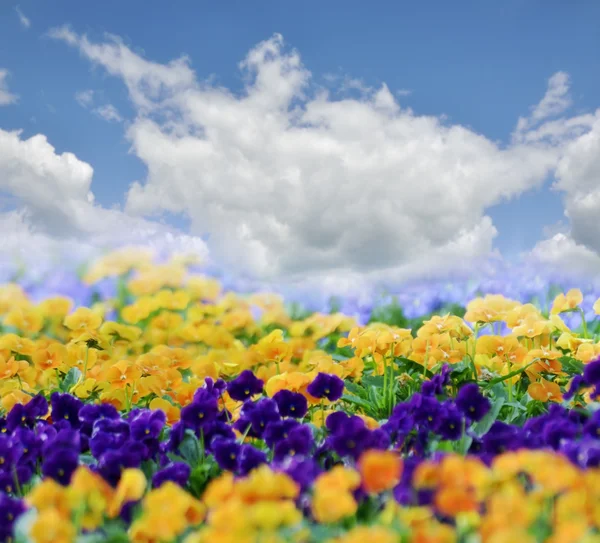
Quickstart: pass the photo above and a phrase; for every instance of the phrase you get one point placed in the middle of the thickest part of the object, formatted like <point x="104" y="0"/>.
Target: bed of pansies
<point x="170" y="410"/>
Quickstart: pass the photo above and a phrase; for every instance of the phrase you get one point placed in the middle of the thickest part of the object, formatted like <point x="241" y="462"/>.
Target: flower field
<point x="169" y="409"/>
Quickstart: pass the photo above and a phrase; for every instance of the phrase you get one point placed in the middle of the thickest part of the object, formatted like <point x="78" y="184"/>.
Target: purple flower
<point x="60" y="465"/>
<point x="591" y="372"/>
<point x="291" y="404"/>
<point x="449" y="423"/>
<point x="203" y="409"/>
<point x="278" y="430"/>
<point x="250" y="458"/>
<point x="244" y="386"/>
<point x="26" y="415"/>
<point x="501" y="437"/>
<point x="350" y="439"/>
<point x="114" y="461"/>
<point x="216" y="430"/>
<point x="66" y="407"/>
<point x="108" y="434"/>
<point x="10" y="510"/>
<point x="425" y="409"/>
<point x="146" y="424"/>
<point x="298" y="442"/>
<point x="436" y="385"/>
<point x="178" y="472"/>
<point x="260" y="414"/>
<point x="326" y="385"/>
<point x="472" y="403"/>
<point x="89" y="414"/>
<point x="302" y="470"/>
<point x="227" y="453"/>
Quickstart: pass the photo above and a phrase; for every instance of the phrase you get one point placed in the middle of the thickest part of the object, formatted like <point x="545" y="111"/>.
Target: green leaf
<point x="486" y="422"/>
<point x="189" y="449"/>
<point x="71" y="378"/>
<point x="357" y="401"/>
<point x="408" y="364"/>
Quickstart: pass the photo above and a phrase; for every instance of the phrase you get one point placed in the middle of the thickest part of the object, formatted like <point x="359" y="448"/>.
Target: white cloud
<point x="54" y="209"/>
<point x="6" y="98"/>
<point x="109" y="113"/>
<point x="25" y="22"/>
<point x="578" y="178"/>
<point x="290" y="182"/>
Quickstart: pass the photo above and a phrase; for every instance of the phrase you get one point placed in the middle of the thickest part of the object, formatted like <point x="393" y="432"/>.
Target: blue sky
<point x="481" y="63"/>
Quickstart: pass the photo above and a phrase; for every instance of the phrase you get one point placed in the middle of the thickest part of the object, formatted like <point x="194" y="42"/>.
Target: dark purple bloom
<point x="227" y="453"/>
<point x="425" y="409"/>
<point x="326" y="385"/>
<point x="250" y="458"/>
<point x="60" y="465"/>
<point x="472" y="403"/>
<point x="449" y="423"/>
<point x="203" y="409"/>
<point x="558" y="430"/>
<point x="591" y="372"/>
<point x="244" y="386"/>
<point x="10" y="510"/>
<point x="66" y="407"/>
<point x="261" y="413"/>
<point x="216" y="430"/>
<point x="146" y="424"/>
<point x="278" y="430"/>
<point x="26" y="416"/>
<point x="501" y="437"/>
<point x="303" y="470"/>
<point x="291" y="404"/>
<point x="298" y="442"/>
<point x="592" y="426"/>
<point x="336" y="420"/>
<point x="89" y="414"/>
<point x="114" y="461"/>
<point x="108" y="434"/>
<point x="178" y="472"/>
<point x="436" y="385"/>
<point x="10" y="452"/>
<point x="577" y="382"/>
<point x="31" y="446"/>
<point x="350" y="439"/>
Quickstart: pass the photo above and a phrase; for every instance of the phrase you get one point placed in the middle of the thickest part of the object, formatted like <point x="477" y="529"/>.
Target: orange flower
<point x="545" y="390"/>
<point x="123" y="373"/>
<point x="380" y="470"/>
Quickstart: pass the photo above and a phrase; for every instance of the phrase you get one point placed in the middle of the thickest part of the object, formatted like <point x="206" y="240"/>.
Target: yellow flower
<point x="131" y="487"/>
<point x="567" y="302"/>
<point x="83" y="319"/>
<point x="51" y="527"/>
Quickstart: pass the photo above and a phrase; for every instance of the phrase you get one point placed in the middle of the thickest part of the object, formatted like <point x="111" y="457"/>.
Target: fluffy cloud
<point x="54" y="210"/>
<point x="290" y="181"/>
<point x="6" y="97"/>
<point x="578" y="178"/>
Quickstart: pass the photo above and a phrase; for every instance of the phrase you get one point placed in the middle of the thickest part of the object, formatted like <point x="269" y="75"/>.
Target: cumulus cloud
<point x="578" y="179"/>
<point x="291" y="181"/>
<point x="25" y="22"/>
<point x="6" y="97"/>
<point x="54" y="209"/>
